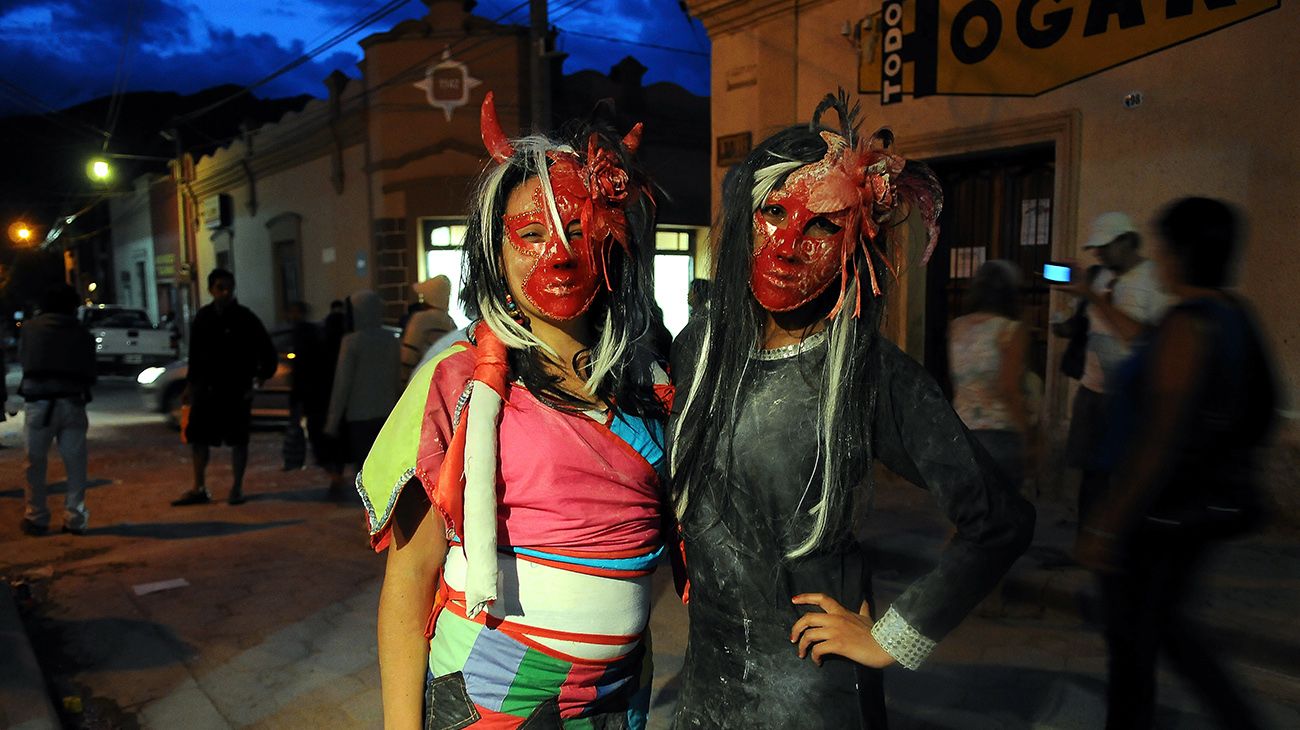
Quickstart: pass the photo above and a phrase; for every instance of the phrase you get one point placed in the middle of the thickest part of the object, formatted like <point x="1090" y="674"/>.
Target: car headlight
<point x="149" y="375"/>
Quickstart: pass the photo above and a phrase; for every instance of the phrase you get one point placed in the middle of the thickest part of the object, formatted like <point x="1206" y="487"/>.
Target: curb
<point x="24" y="699"/>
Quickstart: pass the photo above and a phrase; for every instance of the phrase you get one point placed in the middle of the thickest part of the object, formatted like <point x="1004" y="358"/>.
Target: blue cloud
<point x="67" y="51"/>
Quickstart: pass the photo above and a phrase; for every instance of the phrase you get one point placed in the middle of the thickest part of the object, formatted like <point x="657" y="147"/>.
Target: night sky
<point x="58" y="53"/>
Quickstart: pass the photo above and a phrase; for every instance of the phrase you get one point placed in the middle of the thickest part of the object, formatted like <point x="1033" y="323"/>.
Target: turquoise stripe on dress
<point x="646" y="437"/>
<point x="641" y="562"/>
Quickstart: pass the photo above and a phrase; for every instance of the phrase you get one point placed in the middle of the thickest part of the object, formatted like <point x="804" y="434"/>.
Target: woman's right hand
<point x="836" y="630"/>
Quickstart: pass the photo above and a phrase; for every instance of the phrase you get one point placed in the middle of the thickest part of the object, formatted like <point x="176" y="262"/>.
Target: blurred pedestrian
<point x="366" y="381"/>
<point x="697" y="297"/>
<point x="1124" y="301"/>
<point x="4" y="389"/>
<point x="230" y="352"/>
<point x="308" y="389"/>
<point x="427" y="325"/>
<point x="335" y="324"/>
<point x="333" y="448"/>
<point x="57" y="355"/>
<point x="987" y="350"/>
<point x="1191" y="410"/>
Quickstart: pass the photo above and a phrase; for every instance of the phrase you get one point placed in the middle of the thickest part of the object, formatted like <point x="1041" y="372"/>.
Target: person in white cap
<point x="1124" y="300"/>
<point x="427" y="325"/>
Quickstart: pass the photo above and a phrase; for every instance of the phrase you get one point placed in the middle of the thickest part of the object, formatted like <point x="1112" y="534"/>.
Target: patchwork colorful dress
<point x="579" y="530"/>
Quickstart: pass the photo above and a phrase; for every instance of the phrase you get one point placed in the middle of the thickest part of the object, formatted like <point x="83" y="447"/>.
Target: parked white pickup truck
<point x="126" y="342"/>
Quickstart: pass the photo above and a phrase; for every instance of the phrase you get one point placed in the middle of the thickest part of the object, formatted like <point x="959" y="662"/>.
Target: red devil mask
<point x="563" y="279"/>
<point x="593" y="193"/>
<point x="807" y="233"/>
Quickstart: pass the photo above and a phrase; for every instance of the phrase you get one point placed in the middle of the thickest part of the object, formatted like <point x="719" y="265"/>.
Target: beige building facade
<point x="331" y="200"/>
<point x="1208" y="112"/>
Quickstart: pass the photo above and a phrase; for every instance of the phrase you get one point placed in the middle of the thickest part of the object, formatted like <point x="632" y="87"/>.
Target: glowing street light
<point x="21" y="233"/>
<point x="99" y="170"/>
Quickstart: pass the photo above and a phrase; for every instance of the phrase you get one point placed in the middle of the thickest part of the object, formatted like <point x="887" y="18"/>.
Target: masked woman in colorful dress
<point x="786" y="393"/>
<point x="514" y="485"/>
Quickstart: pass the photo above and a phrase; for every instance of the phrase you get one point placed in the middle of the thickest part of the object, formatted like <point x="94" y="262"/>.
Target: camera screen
<point x="1056" y="272"/>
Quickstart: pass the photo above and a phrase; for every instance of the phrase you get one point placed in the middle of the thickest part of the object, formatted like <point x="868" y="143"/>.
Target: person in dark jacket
<point x="1192" y="408"/>
<point x="230" y="352"/>
<point x="58" y="360"/>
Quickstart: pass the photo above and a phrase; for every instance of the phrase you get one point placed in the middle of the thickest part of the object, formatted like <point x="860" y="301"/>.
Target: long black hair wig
<point x="617" y="367"/>
<point x="708" y="402"/>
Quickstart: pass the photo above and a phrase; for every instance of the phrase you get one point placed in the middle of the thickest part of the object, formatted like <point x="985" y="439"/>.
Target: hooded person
<point x="515" y="486"/>
<point x="426" y="326"/>
<point x="786" y="395"/>
<point x="366" y="378"/>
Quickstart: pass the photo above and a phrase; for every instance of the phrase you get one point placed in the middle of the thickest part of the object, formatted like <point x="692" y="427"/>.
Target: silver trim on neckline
<point x="789" y="351"/>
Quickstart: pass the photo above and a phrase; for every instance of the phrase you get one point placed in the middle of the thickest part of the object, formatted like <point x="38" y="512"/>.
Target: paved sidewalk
<point x="1252" y="585"/>
<point x="274" y="625"/>
<point x="270" y="620"/>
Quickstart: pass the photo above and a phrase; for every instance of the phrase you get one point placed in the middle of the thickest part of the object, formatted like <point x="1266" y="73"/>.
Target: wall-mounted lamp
<point x="862" y="34"/>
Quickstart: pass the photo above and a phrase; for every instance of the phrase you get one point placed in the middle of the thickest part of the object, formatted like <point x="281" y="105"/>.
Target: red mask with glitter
<point x="804" y="231"/>
<point x="563" y="281"/>
<point x="594" y="193"/>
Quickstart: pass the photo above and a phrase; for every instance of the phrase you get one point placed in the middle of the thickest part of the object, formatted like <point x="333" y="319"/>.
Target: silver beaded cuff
<point x="897" y="637"/>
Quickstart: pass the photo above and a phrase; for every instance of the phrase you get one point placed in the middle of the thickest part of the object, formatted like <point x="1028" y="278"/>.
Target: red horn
<point x="498" y="145"/>
<point x="632" y="139"/>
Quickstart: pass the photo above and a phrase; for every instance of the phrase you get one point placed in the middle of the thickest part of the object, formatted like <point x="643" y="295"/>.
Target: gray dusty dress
<point x="741" y="671"/>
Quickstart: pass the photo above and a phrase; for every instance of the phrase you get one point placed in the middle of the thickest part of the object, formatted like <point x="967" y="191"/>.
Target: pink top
<point x="568" y="482"/>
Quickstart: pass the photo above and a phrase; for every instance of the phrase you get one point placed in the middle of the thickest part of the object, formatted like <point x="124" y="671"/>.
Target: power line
<point x="629" y="42"/>
<point x="372" y="17"/>
<point x="575" y="6"/>
<point x="115" y="100"/>
<point x="563" y="6"/>
<point x="17" y="93"/>
<point x="399" y="77"/>
<point x="334" y="28"/>
<point x="461" y="47"/>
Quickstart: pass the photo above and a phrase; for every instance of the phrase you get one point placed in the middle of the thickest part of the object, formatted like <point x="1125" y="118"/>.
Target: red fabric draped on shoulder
<point x="491" y="369"/>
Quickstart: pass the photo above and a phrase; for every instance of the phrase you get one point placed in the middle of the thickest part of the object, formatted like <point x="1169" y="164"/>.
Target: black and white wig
<point x="626" y="317"/>
<point x="708" y="405"/>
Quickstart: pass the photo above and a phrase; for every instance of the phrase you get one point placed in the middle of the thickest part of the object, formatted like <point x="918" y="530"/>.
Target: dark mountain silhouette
<point x="44" y="156"/>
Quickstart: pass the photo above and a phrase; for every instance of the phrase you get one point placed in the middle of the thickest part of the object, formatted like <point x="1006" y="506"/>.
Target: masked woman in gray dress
<point x="786" y="393"/>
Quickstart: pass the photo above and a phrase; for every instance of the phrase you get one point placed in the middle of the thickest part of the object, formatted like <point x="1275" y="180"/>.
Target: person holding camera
<point x="1124" y="300"/>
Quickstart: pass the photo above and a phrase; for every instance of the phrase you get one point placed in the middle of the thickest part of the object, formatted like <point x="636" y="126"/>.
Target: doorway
<point x="997" y="205"/>
<point x="288" y="276"/>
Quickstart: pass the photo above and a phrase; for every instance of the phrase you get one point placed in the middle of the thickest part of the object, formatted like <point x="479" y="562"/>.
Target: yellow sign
<point x="1025" y="47"/>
